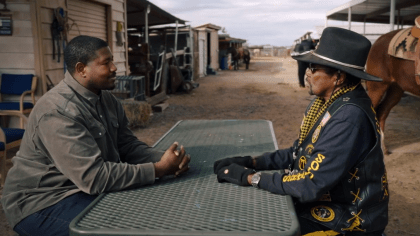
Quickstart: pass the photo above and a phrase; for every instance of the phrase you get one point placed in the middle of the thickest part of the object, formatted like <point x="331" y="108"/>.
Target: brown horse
<point x="245" y="55"/>
<point x="397" y="74"/>
<point x="235" y="56"/>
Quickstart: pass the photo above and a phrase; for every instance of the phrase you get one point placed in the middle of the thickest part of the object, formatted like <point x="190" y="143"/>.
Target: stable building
<point x="206" y="55"/>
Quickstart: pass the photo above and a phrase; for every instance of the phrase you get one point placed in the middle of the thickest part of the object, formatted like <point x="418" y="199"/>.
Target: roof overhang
<point x="209" y="26"/>
<point x="227" y="39"/>
<point x="136" y="10"/>
<point x="232" y="40"/>
<point x="376" y="11"/>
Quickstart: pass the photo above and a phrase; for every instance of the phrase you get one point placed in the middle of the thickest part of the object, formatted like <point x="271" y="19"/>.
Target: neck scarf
<point x="318" y="108"/>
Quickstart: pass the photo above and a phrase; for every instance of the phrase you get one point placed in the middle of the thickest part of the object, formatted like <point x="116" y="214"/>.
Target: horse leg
<point x="392" y="97"/>
<point x="376" y="92"/>
<point x="246" y="60"/>
<point x="301" y="72"/>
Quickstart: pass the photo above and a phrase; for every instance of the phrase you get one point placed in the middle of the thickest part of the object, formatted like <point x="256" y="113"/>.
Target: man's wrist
<point x="250" y="178"/>
<point x="158" y="170"/>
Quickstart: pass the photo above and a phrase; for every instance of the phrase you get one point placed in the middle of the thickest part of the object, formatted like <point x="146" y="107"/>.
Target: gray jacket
<point x="74" y="141"/>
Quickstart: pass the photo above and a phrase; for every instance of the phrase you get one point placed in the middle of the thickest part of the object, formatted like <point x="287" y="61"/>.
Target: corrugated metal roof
<point x="377" y="11"/>
<point x="157" y="16"/>
<point x="227" y="38"/>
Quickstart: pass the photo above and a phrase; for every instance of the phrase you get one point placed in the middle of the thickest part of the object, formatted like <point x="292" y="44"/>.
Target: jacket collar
<point x="80" y="89"/>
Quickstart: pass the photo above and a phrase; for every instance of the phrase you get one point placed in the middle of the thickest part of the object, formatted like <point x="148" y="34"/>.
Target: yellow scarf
<point x="317" y="109"/>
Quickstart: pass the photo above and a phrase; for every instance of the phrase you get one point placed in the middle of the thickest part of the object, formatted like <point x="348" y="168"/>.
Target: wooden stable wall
<point x="96" y="18"/>
<point x="29" y="49"/>
<point x="48" y="65"/>
<point x="17" y="52"/>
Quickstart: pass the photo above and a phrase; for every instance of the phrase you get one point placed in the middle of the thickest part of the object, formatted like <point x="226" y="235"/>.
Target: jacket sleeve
<point x="131" y="149"/>
<point x="346" y="139"/>
<point x="280" y="159"/>
<point x="72" y="149"/>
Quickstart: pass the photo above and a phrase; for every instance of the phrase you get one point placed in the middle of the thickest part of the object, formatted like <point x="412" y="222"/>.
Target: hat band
<point x="338" y="62"/>
<point x="299" y="54"/>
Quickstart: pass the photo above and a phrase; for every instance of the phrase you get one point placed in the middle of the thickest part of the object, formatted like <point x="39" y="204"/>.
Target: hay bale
<point x="138" y="113"/>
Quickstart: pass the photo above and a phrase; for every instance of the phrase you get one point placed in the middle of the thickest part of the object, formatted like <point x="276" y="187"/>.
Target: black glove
<point x="235" y="174"/>
<point x="242" y="161"/>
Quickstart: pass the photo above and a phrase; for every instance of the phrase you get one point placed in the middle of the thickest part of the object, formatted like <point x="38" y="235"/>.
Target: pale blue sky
<point x="275" y="22"/>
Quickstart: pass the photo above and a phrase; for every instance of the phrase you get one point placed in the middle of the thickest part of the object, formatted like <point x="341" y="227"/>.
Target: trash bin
<point x="224" y="63"/>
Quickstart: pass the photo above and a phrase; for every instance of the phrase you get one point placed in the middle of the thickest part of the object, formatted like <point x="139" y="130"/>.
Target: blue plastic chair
<point x="9" y="138"/>
<point x="15" y="84"/>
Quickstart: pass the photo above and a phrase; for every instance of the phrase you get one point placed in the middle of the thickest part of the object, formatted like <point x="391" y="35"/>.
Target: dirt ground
<point x="268" y="90"/>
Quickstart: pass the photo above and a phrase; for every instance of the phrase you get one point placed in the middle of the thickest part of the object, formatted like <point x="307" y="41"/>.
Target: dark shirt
<point x="74" y="141"/>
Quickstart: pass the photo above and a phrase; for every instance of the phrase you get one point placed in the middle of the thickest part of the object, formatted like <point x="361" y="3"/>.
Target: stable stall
<point x="160" y="53"/>
<point x="225" y="41"/>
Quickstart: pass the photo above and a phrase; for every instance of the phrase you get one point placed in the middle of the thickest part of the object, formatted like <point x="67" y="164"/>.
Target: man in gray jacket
<point x="77" y="145"/>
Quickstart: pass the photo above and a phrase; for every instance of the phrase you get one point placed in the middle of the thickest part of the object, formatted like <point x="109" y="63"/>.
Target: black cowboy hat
<point x="341" y="49"/>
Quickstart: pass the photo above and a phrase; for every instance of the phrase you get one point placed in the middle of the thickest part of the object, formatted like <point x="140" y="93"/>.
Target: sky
<point x="260" y="22"/>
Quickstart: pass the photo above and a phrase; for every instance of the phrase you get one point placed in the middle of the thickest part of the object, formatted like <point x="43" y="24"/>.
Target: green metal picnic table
<point x="195" y="203"/>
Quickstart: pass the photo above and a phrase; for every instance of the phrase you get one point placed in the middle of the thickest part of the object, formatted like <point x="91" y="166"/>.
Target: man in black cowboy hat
<point x="336" y="174"/>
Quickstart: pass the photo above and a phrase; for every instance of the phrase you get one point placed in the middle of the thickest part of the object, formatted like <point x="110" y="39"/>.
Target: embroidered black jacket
<point x="338" y="175"/>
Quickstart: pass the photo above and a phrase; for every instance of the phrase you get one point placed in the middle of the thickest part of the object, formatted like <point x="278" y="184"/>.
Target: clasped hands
<point x="173" y="162"/>
<point x="236" y="170"/>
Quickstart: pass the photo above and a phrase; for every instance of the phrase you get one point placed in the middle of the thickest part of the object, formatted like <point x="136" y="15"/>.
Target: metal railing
<point x="130" y="87"/>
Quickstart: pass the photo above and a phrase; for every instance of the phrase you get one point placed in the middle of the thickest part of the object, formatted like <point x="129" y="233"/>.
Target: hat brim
<point x="310" y="58"/>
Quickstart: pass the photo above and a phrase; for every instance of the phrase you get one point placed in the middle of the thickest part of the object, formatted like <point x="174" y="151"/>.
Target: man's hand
<point x="242" y="161"/>
<point x="173" y="162"/>
<point x="235" y="174"/>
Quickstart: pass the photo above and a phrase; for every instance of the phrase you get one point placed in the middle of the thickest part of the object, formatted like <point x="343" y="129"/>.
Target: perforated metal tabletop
<point x="195" y="203"/>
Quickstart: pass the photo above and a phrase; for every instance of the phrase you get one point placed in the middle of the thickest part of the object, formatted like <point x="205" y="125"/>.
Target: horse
<point x="246" y="57"/>
<point x="235" y="56"/>
<point x="398" y="75"/>
<point x="302" y="47"/>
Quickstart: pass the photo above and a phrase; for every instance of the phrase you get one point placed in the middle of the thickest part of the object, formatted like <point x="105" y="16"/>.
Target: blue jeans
<point x="55" y="220"/>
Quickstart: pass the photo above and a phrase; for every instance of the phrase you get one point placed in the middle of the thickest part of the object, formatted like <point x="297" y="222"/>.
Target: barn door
<point x="201" y="57"/>
<point x="87" y="18"/>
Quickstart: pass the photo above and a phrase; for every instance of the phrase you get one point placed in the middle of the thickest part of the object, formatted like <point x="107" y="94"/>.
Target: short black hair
<point x="82" y="49"/>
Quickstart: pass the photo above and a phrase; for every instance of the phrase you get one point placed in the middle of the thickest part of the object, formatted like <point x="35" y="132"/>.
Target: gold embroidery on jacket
<point x="355" y="224"/>
<point x="314" y="166"/>
<point x="302" y="162"/>
<point x="323" y="213"/>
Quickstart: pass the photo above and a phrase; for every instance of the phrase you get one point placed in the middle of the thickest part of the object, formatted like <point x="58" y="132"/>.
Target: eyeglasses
<point x="314" y="68"/>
